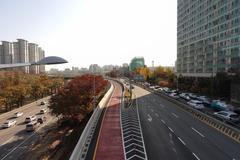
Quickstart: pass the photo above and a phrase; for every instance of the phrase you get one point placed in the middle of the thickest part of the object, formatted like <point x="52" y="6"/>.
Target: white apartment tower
<point x="33" y="57"/>
<point x="41" y="56"/>
<point x="7" y="52"/>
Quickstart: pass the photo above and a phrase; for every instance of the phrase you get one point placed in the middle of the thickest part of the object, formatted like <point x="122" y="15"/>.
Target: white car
<point x="228" y="115"/>
<point x="174" y="95"/>
<point x="18" y="114"/>
<point x="30" y="119"/>
<point x="42" y="111"/>
<point x="185" y="96"/>
<point x="196" y="104"/>
<point x="9" y="123"/>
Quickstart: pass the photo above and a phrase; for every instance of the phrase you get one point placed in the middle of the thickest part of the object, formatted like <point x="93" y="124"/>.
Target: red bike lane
<point x="109" y="144"/>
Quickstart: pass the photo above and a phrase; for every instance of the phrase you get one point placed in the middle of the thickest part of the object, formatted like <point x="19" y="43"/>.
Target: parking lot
<point x="215" y="108"/>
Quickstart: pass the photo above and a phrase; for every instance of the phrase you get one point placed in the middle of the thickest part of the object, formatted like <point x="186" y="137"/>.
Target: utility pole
<point x="94" y="87"/>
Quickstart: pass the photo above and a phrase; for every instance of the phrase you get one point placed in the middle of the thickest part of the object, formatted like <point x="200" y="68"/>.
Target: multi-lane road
<point x="15" y="140"/>
<point x="171" y="133"/>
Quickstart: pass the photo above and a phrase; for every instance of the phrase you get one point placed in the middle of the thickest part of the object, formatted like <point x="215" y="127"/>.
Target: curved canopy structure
<point x="50" y="60"/>
<point x="45" y="61"/>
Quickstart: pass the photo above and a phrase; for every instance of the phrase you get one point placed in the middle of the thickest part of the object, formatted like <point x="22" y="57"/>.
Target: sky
<point x="100" y="32"/>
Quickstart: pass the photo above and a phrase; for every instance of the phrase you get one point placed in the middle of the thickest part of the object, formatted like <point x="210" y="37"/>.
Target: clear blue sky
<point x="93" y="31"/>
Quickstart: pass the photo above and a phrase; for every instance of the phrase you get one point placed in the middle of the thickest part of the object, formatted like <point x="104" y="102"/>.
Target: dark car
<point x="43" y="103"/>
<point x="41" y="120"/>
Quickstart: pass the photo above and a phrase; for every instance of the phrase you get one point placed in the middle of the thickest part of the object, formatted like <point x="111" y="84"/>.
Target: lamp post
<point x="94" y="87"/>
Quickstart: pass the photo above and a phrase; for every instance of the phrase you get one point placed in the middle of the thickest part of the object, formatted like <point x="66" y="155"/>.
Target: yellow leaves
<point x="144" y="71"/>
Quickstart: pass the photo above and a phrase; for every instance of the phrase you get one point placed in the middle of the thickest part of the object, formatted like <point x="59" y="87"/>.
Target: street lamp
<point x="45" y="61"/>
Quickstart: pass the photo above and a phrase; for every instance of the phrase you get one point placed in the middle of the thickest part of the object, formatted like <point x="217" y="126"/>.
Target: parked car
<point x="166" y="90"/>
<point x="42" y="111"/>
<point x="185" y="96"/>
<point x="205" y="100"/>
<point x="174" y="95"/>
<point x="9" y="123"/>
<point x="151" y="87"/>
<point x="30" y="119"/>
<point x="41" y="119"/>
<point x="32" y="126"/>
<point x="218" y="105"/>
<point x="228" y="115"/>
<point x="192" y="96"/>
<point x="18" y="114"/>
<point x="196" y="104"/>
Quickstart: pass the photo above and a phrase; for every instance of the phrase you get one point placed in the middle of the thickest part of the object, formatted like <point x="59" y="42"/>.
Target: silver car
<point x="228" y="115"/>
<point x="196" y="104"/>
<point x="9" y="123"/>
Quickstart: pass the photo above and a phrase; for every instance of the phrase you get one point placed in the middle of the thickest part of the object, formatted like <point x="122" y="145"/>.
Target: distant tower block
<point x="153" y="64"/>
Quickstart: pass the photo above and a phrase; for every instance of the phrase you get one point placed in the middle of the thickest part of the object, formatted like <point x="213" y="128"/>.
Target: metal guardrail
<point x="224" y="128"/>
<point x="81" y="149"/>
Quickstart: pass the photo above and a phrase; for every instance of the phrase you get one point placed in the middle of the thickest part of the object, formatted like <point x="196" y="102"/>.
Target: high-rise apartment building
<point x="1" y="54"/>
<point x="208" y="37"/>
<point x="22" y="52"/>
<point x="33" y="57"/>
<point x="41" y="56"/>
<point x="136" y="62"/>
<point x="7" y="52"/>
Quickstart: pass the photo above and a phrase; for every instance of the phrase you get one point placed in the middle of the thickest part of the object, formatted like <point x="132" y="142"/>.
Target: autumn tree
<point x="76" y="99"/>
<point x="144" y="71"/>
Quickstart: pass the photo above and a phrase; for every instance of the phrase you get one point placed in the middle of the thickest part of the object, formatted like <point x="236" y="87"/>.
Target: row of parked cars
<point x="31" y="121"/>
<point x="220" y="108"/>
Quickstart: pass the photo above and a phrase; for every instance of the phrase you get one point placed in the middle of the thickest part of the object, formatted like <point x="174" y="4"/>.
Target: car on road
<point x="31" y="126"/>
<point x="196" y="104"/>
<point x="17" y="114"/>
<point x="42" y="111"/>
<point x="30" y="119"/>
<point x="9" y="123"/>
<point x="228" y="115"/>
<point x="43" y="103"/>
<point x="41" y="119"/>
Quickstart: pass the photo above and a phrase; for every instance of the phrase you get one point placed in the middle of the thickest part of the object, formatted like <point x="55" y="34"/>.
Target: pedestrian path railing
<point x="81" y="149"/>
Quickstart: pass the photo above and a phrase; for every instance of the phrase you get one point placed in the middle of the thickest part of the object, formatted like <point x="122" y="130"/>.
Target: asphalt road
<point x="171" y="133"/>
<point x="15" y="139"/>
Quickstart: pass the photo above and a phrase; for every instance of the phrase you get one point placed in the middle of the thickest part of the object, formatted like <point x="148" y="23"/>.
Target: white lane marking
<point x="170" y="129"/>
<point x="152" y="110"/>
<point x="174" y="115"/>
<point x="163" y="121"/>
<point x="149" y="118"/>
<point x="6" y="141"/>
<point x="25" y="140"/>
<point x="198" y="132"/>
<point x="156" y="115"/>
<point x="181" y="141"/>
<point x="195" y="156"/>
